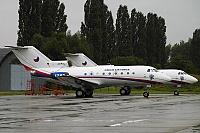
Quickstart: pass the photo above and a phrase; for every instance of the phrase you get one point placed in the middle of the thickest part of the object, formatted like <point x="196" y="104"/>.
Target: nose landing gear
<point x="146" y="94"/>
<point x="176" y="92"/>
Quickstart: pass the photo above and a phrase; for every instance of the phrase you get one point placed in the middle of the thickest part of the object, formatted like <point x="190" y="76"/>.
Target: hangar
<point x="13" y="76"/>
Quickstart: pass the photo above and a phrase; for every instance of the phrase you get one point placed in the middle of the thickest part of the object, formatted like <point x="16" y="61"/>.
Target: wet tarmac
<point x="101" y="114"/>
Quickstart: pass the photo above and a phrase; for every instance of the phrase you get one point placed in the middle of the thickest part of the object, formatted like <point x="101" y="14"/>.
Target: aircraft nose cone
<point x="194" y="80"/>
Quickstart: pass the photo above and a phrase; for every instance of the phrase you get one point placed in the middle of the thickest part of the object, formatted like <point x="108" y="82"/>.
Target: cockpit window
<point x="152" y="70"/>
<point x="182" y="73"/>
<point x="156" y="70"/>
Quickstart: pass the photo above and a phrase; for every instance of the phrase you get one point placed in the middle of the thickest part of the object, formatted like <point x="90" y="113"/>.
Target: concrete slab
<point x="103" y="113"/>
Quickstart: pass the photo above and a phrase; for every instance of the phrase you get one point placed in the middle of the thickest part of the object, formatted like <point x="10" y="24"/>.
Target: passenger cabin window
<point x="109" y="73"/>
<point x="85" y="74"/>
<point x="133" y="73"/>
<point x="103" y="73"/>
<point x="127" y="73"/>
<point x="121" y="73"/>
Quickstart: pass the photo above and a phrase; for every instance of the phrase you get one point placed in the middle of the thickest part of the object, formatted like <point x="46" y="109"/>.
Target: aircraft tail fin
<point x="80" y="60"/>
<point x="30" y="57"/>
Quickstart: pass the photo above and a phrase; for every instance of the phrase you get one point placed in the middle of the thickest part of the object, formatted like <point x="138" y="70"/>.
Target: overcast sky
<point x="182" y="17"/>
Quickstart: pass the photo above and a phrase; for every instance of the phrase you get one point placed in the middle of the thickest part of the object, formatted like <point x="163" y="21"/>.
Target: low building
<point x="13" y="76"/>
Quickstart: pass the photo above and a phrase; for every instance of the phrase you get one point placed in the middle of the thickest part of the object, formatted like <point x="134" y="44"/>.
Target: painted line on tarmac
<point x="128" y="122"/>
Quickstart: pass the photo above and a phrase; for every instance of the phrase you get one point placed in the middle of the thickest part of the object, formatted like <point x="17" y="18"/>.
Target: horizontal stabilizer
<point x="80" y="60"/>
<point x="17" y="47"/>
<point x="30" y="57"/>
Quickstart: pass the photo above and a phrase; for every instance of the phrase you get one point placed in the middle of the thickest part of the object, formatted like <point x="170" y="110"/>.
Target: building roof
<point x="4" y="52"/>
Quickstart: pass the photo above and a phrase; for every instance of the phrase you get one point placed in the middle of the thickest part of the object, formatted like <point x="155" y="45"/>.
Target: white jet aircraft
<point x="86" y="79"/>
<point x="178" y="77"/>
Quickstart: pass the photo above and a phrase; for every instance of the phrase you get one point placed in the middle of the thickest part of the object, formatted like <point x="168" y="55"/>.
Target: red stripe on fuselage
<point x="179" y="82"/>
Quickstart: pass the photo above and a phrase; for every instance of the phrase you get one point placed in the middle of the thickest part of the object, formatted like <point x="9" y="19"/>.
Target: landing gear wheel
<point x="128" y="90"/>
<point x="123" y="91"/>
<point x="146" y="94"/>
<point x="176" y="93"/>
<point x="89" y="93"/>
<point x="80" y="93"/>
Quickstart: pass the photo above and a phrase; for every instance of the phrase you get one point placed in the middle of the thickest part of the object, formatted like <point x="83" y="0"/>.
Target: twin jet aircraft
<point x="90" y="76"/>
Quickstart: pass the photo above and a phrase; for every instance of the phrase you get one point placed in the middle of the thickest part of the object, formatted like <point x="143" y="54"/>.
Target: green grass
<point x="12" y="93"/>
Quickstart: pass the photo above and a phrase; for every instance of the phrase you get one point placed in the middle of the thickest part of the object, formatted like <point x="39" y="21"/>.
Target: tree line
<point x="186" y="55"/>
<point x="130" y="40"/>
<point x="43" y="17"/>
<point x="136" y="35"/>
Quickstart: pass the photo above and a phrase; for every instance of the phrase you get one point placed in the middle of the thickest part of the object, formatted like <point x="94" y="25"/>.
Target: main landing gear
<point x="84" y="92"/>
<point x="126" y="90"/>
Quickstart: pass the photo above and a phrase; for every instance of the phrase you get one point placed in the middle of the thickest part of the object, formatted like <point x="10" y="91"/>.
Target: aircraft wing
<point x="76" y="82"/>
